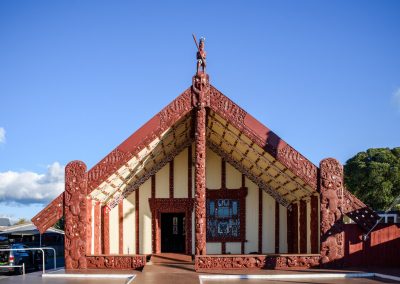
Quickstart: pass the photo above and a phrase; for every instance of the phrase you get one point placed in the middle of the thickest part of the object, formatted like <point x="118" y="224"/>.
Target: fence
<point x="43" y="258"/>
<point x="380" y="249"/>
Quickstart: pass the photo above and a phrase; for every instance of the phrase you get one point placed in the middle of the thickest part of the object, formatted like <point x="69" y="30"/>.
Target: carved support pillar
<point x="314" y="224"/>
<point x="200" y="88"/>
<point x="331" y="196"/>
<point x="303" y="226"/>
<point x="75" y="213"/>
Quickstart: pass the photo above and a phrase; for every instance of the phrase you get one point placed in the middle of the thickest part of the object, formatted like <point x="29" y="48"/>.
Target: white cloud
<point x="30" y="187"/>
<point x="2" y="135"/>
<point x="396" y="98"/>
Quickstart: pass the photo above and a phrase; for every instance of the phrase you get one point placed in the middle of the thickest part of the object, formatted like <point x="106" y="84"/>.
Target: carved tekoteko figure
<point x="201" y="55"/>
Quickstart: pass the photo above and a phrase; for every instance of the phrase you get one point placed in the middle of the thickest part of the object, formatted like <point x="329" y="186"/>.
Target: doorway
<point x="173" y="232"/>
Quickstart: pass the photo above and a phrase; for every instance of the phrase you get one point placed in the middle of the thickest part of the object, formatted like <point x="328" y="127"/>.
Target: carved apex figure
<point x="201" y="55"/>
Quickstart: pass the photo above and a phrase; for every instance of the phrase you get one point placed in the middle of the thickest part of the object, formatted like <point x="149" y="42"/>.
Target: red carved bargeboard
<point x="75" y="211"/>
<point x="219" y="262"/>
<point x="331" y="190"/>
<point x="116" y="261"/>
<point x="49" y="215"/>
<point x="360" y="213"/>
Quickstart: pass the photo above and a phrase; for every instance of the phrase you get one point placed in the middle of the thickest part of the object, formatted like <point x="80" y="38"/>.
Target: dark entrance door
<point x="173" y="232"/>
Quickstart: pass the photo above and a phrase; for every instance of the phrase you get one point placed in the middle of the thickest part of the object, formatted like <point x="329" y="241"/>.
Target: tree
<point x="60" y="223"/>
<point x="21" y="221"/>
<point x="374" y="176"/>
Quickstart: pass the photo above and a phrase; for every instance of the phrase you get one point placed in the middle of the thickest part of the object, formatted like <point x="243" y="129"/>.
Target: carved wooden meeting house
<point x="204" y="178"/>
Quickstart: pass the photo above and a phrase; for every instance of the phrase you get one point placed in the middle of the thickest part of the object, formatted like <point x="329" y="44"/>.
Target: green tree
<point x="374" y="176"/>
<point x="21" y="221"/>
<point x="60" y="223"/>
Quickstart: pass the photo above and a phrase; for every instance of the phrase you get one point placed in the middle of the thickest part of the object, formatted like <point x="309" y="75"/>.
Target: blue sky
<point x="78" y="77"/>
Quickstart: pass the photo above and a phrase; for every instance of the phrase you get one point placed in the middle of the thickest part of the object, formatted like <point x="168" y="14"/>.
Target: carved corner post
<point x="75" y="212"/>
<point x="200" y="89"/>
<point x="331" y="196"/>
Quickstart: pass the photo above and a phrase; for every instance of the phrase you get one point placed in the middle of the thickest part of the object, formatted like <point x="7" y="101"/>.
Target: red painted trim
<point x="303" y="226"/>
<point x="97" y="227"/>
<point x="137" y="220"/>
<point x="223" y="173"/>
<point x="89" y="226"/>
<point x="190" y="172"/>
<point x="295" y="227"/>
<point x="277" y="220"/>
<point x="260" y="219"/>
<point x="223" y="247"/>
<point x="314" y="224"/>
<point x="171" y="179"/>
<point x="289" y="233"/>
<point x="153" y="186"/>
<point x="105" y="230"/>
<point x="121" y="226"/>
<point x="153" y="218"/>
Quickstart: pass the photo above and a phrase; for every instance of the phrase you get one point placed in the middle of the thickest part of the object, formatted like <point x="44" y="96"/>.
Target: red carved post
<point x="331" y="190"/>
<point x="303" y="226"/>
<point x="200" y="88"/>
<point x="314" y="224"/>
<point x="75" y="212"/>
<point x="200" y="181"/>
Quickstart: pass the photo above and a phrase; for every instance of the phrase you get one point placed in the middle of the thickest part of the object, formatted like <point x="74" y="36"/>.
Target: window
<point x="225" y="218"/>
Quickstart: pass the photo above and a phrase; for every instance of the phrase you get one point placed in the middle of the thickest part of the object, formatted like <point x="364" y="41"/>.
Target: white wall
<point x="268" y="228"/>
<point x="180" y="175"/>
<point x="114" y="231"/>
<point x="251" y="218"/>
<point x="145" y="235"/>
<point x="283" y="247"/>
<point x="129" y="225"/>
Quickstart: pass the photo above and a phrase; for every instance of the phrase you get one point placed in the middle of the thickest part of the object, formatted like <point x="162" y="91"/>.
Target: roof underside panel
<point x="263" y="137"/>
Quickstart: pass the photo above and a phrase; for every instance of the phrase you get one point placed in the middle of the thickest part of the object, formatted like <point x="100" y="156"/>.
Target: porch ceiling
<point x="148" y="161"/>
<point x="258" y="165"/>
<point x="224" y="139"/>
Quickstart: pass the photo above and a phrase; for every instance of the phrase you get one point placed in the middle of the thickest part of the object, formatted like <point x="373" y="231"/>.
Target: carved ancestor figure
<point x="201" y="55"/>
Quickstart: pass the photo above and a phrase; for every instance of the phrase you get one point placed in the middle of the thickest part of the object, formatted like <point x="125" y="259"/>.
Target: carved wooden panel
<point x="50" y="214"/>
<point x="116" y="262"/>
<point x="170" y="205"/>
<point x="331" y="191"/>
<point x="106" y="167"/>
<point x="200" y="180"/>
<point x="220" y="262"/>
<point x="176" y="109"/>
<point x="75" y="210"/>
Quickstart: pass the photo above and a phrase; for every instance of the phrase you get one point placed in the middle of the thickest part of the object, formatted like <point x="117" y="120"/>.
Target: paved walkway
<point x="172" y="269"/>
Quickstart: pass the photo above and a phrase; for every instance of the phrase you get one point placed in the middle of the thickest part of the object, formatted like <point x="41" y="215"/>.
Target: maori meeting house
<point x="206" y="179"/>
